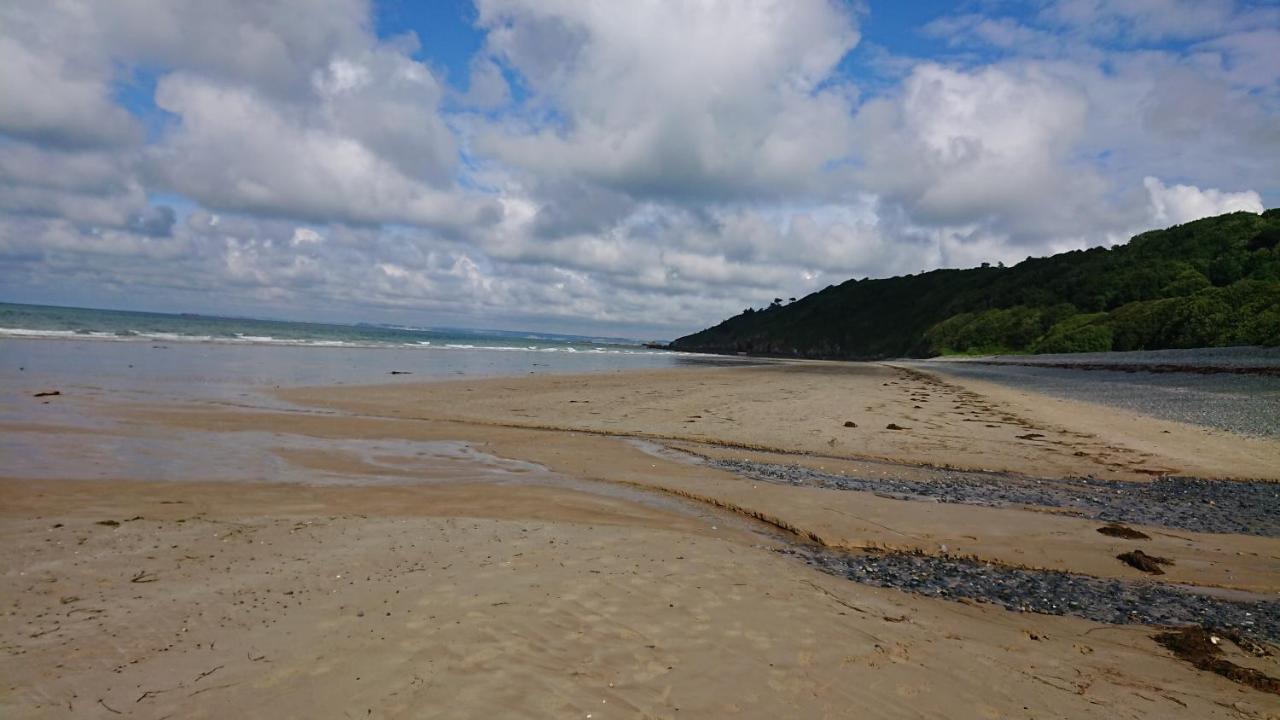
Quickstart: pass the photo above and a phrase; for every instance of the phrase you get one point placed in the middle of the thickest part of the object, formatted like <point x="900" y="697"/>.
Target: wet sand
<point x="597" y="577"/>
<point x="802" y="408"/>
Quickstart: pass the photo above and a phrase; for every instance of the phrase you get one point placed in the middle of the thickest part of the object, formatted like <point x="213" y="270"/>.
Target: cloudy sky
<point x="642" y="168"/>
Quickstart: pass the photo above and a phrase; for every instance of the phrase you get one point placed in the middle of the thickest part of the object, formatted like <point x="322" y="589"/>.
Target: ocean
<point x="43" y="321"/>
<point x="203" y="353"/>
<point x="102" y="362"/>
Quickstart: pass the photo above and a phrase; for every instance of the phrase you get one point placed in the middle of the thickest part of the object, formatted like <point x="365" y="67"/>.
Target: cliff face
<point x="1213" y="282"/>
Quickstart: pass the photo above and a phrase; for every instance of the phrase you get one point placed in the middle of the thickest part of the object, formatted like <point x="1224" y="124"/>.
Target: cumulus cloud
<point x="59" y="60"/>
<point x="638" y="167"/>
<point x="957" y="147"/>
<point x="1048" y="146"/>
<point x="1177" y="204"/>
<point x="365" y="143"/>
<point x="254" y="264"/>
<point x="272" y="45"/>
<point x="679" y="101"/>
<point x="94" y="187"/>
<point x="235" y="149"/>
<point x="279" y="108"/>
<point x="51" y="100"/>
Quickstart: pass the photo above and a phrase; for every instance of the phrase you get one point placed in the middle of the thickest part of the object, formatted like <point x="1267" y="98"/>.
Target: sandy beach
<point x="326" y="555"/>
<point x="660" y="360"/>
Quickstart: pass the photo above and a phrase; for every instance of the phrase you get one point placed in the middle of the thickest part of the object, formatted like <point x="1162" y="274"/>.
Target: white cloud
<point x="676" y="101"/>
<point x="273" y="45"/>
<point x="956" y="147"/>
<point x="1250" y="59"/>
<point x="48" y="99"/>
<point x="281" y="108"/>
<point x="608" y="165"/>
<point x="59" y="60"/>
<point x="1177" y="204"/>
<point x="235" y="149"/>
<point x="1150" y="20"/>
<point x="304" y="236"/>
<point x="487" y="88"/>
<point x="390" y="104"/>
<point x="95" y="187"/>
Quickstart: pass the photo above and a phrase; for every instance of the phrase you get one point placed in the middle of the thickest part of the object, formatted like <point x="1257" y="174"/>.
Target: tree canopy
<point x="1209" y="283"/>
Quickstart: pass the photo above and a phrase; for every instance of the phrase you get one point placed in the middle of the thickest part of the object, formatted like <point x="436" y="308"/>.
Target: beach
<point x="710" y="359"/>
<point x="781" y="539"/>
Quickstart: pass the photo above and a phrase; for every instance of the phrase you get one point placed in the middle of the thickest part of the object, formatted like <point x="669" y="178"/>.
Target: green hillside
<point x="1208" y="283"/>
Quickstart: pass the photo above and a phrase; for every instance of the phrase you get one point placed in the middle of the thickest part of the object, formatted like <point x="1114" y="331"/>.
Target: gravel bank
<point x="1210" y="506"/>
<point x="1050" y="592"/>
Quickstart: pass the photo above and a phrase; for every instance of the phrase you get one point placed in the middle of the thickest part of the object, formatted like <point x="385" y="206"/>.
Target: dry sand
<point x="573" y="599"/>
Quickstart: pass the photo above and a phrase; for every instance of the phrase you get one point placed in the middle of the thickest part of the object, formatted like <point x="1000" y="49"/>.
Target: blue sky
<point x="641" y="169"/>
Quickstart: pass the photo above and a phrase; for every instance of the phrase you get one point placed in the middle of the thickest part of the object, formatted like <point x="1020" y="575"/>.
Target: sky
<point x="643" y="169"/>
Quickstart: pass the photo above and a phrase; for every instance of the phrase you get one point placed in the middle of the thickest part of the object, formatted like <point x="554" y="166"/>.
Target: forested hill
<point x="1208" y="283"/>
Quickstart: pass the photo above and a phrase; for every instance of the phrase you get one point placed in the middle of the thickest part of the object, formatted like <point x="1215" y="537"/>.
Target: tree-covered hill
<point x="1209" y="283"/>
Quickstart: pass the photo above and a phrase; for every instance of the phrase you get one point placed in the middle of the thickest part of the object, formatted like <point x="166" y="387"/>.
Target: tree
<point x="1215" y="281"/>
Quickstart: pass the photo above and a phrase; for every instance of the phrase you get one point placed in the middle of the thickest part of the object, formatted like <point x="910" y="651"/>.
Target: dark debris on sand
<point x="1201" y="648"/>
<point x="1144" y="562"/>
<point x="1121" y="531"/>
<point x="1210" y="506"/>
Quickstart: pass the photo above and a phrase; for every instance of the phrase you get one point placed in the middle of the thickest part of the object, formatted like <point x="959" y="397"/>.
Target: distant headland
<point x="1210" y="283"/>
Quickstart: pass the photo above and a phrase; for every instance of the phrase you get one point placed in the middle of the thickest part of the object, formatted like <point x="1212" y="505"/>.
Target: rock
<point x="895" y="426"/>
<point x="850" y="423"/>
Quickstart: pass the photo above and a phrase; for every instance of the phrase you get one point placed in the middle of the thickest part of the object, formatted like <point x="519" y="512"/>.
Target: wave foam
<point x="242" y="339"/>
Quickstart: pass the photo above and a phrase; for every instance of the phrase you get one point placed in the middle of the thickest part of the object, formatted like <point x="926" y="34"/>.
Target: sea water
<point x="108" y="364"/>
<point x="44" y="321"/>
<point x="219" y="356"/>
<point x="103" y="361"/>
<point x="1247" y="403"/>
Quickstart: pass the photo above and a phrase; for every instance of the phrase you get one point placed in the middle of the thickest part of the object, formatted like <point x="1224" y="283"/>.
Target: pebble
<point x="1049" y="592"/>
<point x="1209" y="506"/>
